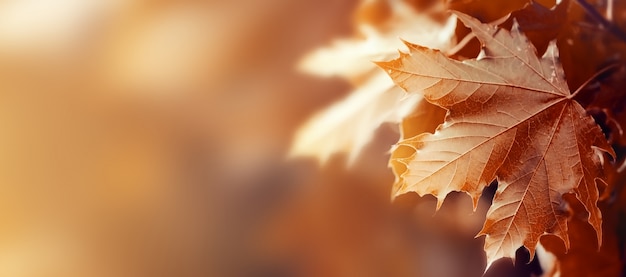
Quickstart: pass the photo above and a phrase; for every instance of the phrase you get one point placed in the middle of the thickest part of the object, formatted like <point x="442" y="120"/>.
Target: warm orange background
<point x="147" y="138"/>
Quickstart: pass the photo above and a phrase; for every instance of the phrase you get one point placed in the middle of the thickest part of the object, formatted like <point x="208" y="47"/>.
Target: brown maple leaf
<point x="511" y="118"/>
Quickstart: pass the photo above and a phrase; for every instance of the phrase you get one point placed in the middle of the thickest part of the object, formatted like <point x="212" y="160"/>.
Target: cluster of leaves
<point x="504" y="113"/>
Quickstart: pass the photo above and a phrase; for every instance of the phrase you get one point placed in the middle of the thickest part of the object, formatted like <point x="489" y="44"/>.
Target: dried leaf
<point x="350" y="124"/>
<point x="425" y="118"/>
<point x="510" y="117"/>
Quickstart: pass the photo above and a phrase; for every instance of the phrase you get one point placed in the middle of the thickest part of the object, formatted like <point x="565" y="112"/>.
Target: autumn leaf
<point x="348" y="125"/>
<point x="425" y="118"/>
<point x="511" y="118"/>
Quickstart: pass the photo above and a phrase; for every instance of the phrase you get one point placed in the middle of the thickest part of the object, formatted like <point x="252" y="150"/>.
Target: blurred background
<point x="149" y="138"/>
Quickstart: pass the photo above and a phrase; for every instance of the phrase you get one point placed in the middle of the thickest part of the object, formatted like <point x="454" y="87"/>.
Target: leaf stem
<point x="601" y="71"/>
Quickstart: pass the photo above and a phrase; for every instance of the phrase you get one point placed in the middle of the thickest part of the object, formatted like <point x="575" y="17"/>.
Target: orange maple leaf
<point x="511" y="118"/>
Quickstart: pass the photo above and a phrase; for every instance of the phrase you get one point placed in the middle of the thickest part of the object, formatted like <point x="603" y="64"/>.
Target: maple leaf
<point x="348" y="125"/>
<point x="511" y="118"/>
<point x="425" y="118"/>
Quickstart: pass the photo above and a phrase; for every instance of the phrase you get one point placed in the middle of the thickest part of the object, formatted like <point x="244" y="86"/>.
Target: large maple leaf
<point x="511" y="118"/>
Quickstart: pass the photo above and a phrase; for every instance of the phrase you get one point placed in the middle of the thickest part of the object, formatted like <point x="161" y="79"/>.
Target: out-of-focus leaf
<point x="540" y="24"/>
<point x="584" y="257"/>
<point x="349" y="125"/>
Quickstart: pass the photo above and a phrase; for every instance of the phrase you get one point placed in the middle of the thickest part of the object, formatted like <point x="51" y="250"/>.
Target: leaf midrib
<point x="519" y="203"/>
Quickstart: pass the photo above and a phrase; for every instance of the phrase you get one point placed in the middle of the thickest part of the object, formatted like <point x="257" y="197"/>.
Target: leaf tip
<point x="440" y="199"/>
<point x="489" y="263"/>
<point x="410" y="45"/>
<point x="464" y="18"/>
<point x="382" y="64"/>
<point x="475" y="199"/>
<point x="399" y="188"/>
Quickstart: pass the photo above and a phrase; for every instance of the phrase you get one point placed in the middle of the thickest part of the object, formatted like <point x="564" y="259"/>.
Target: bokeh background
<point x="150" y="138"/>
